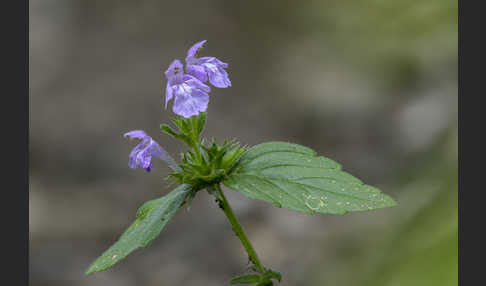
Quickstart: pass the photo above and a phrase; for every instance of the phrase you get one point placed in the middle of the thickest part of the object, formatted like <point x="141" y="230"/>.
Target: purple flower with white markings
<point x="141" y="155"/>
<point x="190" y="94"/>
<point x="207" y="67"/>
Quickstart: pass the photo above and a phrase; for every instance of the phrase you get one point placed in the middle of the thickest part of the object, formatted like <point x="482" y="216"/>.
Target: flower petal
<point x="193" y="82"/>
<point x="149" y="167"/>
<point x="215" y="69"/>
<point x="138" y="134"/>
<point x="213" y="60"/>
<point x="217" y="76"/>
<point x="187" y="106"/>
<point x="197" y="71"/>
<point x="168" y="94"/>
<point x="144" y="158"/>
<point x="132" y="158"/>
<point x="182" y="90"/>
<point x="174" y="72"/>
<point x="195" y="48"/>
<point x="141" y="155"/>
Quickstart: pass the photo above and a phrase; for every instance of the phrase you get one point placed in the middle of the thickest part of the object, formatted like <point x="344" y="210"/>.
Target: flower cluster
<point x="188" y="89"/>
<point x="191" y="97"/>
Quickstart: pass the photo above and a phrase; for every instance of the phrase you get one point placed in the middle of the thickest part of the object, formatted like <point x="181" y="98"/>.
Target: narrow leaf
<point x="152" y="217"/>
<point x="294" y="177"/>
<point x="246" y="279"/>
<point x="272" y="274"/>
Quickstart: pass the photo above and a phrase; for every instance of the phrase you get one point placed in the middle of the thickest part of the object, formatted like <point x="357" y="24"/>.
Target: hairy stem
<point x="197" y="152"/>
<point x="238" y="229"/>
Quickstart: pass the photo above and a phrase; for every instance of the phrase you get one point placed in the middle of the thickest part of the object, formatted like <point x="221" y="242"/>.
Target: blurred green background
<point x="370" y="84"/>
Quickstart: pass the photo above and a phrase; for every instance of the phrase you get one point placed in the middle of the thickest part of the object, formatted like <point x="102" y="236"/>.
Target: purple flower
<point x="191" y="95"/>
<point x="141" y="155"/>
<point x="205" y="67"/>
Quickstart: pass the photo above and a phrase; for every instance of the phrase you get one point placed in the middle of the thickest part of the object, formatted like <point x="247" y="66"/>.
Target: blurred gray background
<point x="372" y="85"/>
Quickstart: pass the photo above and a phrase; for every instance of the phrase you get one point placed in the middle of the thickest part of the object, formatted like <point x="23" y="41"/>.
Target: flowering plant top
<point x="284" y="174"/>
<point x="189" y="89"/>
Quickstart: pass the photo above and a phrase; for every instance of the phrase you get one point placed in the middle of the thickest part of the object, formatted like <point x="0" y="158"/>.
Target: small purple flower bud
<point x="191" y="95"/>
<point x="207" y="67"/>
<point x="141" y="155"/>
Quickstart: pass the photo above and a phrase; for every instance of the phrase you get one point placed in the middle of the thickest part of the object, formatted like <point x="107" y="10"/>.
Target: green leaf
<point x="200" y="123"/>
<point x="246" y="279"/>
<point x="272" y="274"/>
<point x="294" y="177"/>
<point x="265" y="283"/>
<point x="152" y="217"/>
<point x="184" y="137"/>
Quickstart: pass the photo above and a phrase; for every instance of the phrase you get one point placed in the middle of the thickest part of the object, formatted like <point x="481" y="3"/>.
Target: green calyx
<point x="206" y="163"/>
<point x="209" y="165"/>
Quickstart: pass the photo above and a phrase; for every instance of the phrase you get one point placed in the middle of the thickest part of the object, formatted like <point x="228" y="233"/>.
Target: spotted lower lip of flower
<point x="207" y="67"/>
<point x="190" y="94"/>
<point x="141" y="155"/>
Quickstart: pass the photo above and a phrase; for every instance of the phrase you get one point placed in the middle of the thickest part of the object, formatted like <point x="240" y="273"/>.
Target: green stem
<point x="238" y="229"/>
<point x="195" y="137"/>
<point x="198" y="153"/>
